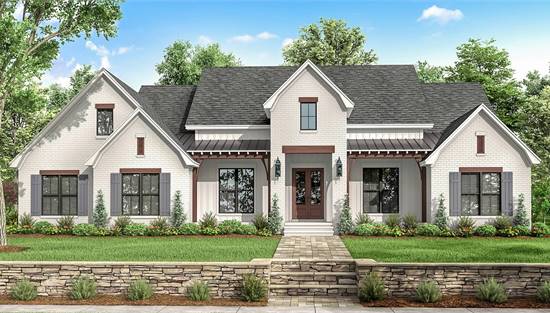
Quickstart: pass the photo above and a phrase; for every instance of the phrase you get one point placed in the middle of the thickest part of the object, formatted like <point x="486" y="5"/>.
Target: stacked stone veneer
<point x="401" y="280"/>
<point x="55" y="278"/>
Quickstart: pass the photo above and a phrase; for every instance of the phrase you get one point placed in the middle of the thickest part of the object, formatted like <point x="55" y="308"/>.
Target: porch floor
<point x="318" y="247"/>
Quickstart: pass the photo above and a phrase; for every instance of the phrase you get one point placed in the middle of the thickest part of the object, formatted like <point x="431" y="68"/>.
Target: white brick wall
<point x="461" y="152"/>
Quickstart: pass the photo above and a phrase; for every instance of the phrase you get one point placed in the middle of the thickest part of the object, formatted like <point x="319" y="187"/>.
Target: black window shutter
<point x="83" y="195"/>
<point x="507" y="193"/>
<point x="36" y="195"/>
<point x="165" y="194"/>
<point x="454" y="194"/>
<point x="116" y="194"/>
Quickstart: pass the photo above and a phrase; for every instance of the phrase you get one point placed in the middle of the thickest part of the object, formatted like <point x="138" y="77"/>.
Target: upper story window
<point x="480" y="193"/>
<point x="104" y="125"/>
<point x="308" y="113"/>
<point x="480" y="144"/>
<point x="140" y="194"/>
<point x="59" y="194"/>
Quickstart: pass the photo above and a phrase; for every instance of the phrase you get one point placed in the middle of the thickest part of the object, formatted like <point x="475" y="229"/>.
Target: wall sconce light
<point x="277" y="168"/>
<point x="339" y="167"/>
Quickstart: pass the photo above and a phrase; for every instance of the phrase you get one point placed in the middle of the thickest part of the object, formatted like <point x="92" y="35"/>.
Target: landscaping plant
<point x="198" y="291"/>
<point x="464" y="226"/>
<point x="85" y="230"/>
<point x="428" y="292"/>
<point x="260" y="222"/>
<point x="158" y="227"/>
<point x="26" y="223"/>
<point x="24" y="290"/>
<point x="208" y="220"/>
<point x="486" y="230"/>
<point x="441" y="219"/>
<point x="274" y="218"/>
<point x="136" y="229"/>
<point x="83" y="288"/>
<point x="393" y="221"/>
<point x="543" y="292"/>
<point x="374" y="229"/>
<point x="491" y="291"/>
<point x="363" y="218"/>
<point x="503" y="224"/>
<point x="120" y="224"/>
<point x="429" y="230"/>
<point x="178" y="216"/>
<point x="540" y="230"/>
<point x="100" y="218"/>
<point x="371" y="288"/>
<point x="229" y="227"/>
<point x="521" y="218"/>
<point x="522" y="230"/>
<point x="345" y="225"/>
<point x="254" y="288"/>
<point x="410" y="224"/>
<point x="65" y="224"/>
<point x="189" y="229"/>
<point x="45" y="228"/>
<point x="139" y="290"/>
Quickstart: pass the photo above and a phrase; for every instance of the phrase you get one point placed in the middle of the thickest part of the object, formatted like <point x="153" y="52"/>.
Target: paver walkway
<point x="318" y="247"/>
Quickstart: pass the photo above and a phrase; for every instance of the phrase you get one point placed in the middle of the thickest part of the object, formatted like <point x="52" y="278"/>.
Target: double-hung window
<point x="104" y="123"/>
<point x="381" y="190"/>
<point x="59" y="195"/>
<point x="480" y="194"/>
<point x="140" y="194"/>
<point x="236" y="187"/>
<point x="308" y="116"/>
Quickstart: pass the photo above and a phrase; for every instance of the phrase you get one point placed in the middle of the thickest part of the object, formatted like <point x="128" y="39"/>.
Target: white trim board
<point x="226" y="127"/>
<point x="390" y="126"/>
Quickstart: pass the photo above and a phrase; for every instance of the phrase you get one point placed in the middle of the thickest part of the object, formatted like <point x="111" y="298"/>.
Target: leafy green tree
<point x="178" y="216"/>
<point x="31" y="41"/>
<point x="441" y="219"/>
<point x="345" y="225"/>
<point x="183" y="63"/>
<point x="100" y="217"/>
<point x="430" y="74"/>
<point x="331" y="42"/>
<point x="274" y="218"/>
<point x="59" y="96"/>
<point x="80" y="78"/>
<point x="521" y="218"/>
<point x="534" y="83"/>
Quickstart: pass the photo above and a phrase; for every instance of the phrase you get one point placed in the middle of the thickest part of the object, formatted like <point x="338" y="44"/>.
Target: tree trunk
<point x="3" y="239"/>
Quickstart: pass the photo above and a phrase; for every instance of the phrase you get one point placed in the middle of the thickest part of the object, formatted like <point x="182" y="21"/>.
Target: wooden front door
<point x="308" y="193"/>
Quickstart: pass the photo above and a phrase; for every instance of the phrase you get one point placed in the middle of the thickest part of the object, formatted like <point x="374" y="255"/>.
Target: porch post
<point x="423" y="187"/>
<point x="195" y="178"/>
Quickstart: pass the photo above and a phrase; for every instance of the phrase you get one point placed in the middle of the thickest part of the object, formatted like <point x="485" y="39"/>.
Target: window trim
<point x="480" y="144"/>
<point x="308" y="116"/>
<point x="140" y="193"/>
<point x="380" y="191"/>
<point x="480" y="192"/>
<point x="59" y="194"/>
<point x="98" y="109"/>
<point x="236" y="191"/>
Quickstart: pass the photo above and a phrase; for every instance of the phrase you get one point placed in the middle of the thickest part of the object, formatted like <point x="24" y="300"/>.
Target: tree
<point x="30" y="42"/>
<point x="521" y="218"/>
<point x="534" y="83"/>
<point x="345" y="225"/>
<point x="58" y="96"/>
<point x="183" y="63"/>
<point x="178" y="216"/>
<point x="441" y="219"/>
<point x="100" y="218"/>
<point x="331" y="42"/>
<point x="274" y="218"/>
<point x="430" y="74"/>
<point x="80" y="78"/>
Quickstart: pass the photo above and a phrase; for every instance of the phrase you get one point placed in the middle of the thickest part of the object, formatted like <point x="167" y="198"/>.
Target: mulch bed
<point x="459" y="302"/>
<point x="8" y="249"/>
<point x="156" y="299"/>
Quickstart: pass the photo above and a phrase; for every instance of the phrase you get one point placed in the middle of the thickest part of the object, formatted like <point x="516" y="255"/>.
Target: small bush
<point x="189" y="229"/>
<point x="274" y="218"/>
<point x="486" y="230"/>
<point x="198" y="291"/>
<point x="83" y="288"/>
<point x="158" y="226"/>
<point x="120" y="224"/>
<point x="260" y="222"/>
<point x="543" y="292"/>
<point x="363" y="218"/>
<point x="464" y="226"/>
<point x="208" y="221"/>
<point x="264" y="232"/>
<point x="540" y="230"/>
<point x="139" y="290"/>
<point x="178" y="216"/>
<point x="85" y="230"/>
<point x="522" y="230"/>
<point x="394" y="232"/>
<point x="11" y="214"/>
<point x="428" y="292"/>
<point x="502" y="222"/>
<point x="135" y="230"/>
<point x="209" y="231"/>
<point x="100" y="217"/>
<point x="374" y="229"/>
<point x="43" y="227"/>
<point x="345" y="225"/>
<point x="508" y="232"/>
<point x="247" y="229"/>
<point x="441" y="219"/>
<point x="521" y="218"/>
<point x="429" y="230"/>
<point x="371" y="288"/>
<point x="254" y="288"/>
<point x="229" y="227"/>
<point x="491" y="291"/>
<point x="26" y="223"/>
<point x="393" y="220"/>
<point x="65" y="224"/>
<point x="410" y="224"/>
<point x="24" y="290"/>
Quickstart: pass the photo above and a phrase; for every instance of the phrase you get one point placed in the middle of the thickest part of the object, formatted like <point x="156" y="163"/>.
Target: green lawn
<point x="141" y="248"/>
<point x="417" y="249"/>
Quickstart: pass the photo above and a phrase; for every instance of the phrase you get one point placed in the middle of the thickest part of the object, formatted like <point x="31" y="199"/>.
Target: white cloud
<point x="204" y="40"/>
<point x="122" y="50"/>
<point x="249" y="38"/>
<point x="104" y="53"/>
<point x="105" y="63"/>
<point x="49" y="79"/>
<point x="70" y="62"/>
<point x="441" y="15"/>
<point x="100" y="50"/>
<point x="266" y="36"/>
<point x="18" y="13"/>
<point x="242" y="38"/>
<point x="287" y="41"/>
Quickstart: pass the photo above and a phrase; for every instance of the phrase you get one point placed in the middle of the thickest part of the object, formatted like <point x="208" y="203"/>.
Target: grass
<point x="56" y="248"/>
<point x="431" y="250"/>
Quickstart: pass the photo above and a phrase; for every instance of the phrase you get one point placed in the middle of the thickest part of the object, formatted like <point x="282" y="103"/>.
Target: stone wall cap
<point x="368" y="262"/>
<point x="129" y="263"/>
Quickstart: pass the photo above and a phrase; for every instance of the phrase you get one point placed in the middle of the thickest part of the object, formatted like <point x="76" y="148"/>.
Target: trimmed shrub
<point x="540" y="230"/>
<point x="260" y="222"/>
<point x="363" y="218"/>
<point x="508" y="232"/>
<point x="159" y="227"/>
<point x="345" y="225"/>
<point x="371" y="288"/>
<point x="521" y="218"/>
<point x="247" y="229"/>
<point x="264" y="232"/>
<point x="198" y="291"/>
<point x="428" y="292"/>
<point x="254" y="288"/>
<point x="393" y="220"/>
<point x="441" y="219"/>
<point x="139" y="290"/>
<point x="543" y="292"/>
<point x="394" y="232"/>
<point x="65" y="224"/>
<point x="464" y="226"/>
<point x="135" y="230"/>
<point x="210" y="231"/>
<point x="100" y="217"/>
<point x="522" y="230"/>
<point x="24" y="290"/>
<point x="491" y="291"/>
<point x="26" y="223"/>
<point x="429" y="230"/>
<point x="375" y="229"/>
<point x="46" y="228"/>
<point x="229" y="227"/>
<point x="120" y="224"/>
<point x="502" y="222"/>
<point x="189" y="229"/>
<point x="274" y="218"/>
<point x="486" y="230"/>
<point x="178" y="216"/>
<point x="208" y="220"/>
<point x="85" y="230"/>
<point x="410" y="224"/>
<point x="83" y="288"/>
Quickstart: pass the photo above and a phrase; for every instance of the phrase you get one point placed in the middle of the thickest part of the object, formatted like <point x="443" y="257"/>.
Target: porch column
<point x="195" y="179"/>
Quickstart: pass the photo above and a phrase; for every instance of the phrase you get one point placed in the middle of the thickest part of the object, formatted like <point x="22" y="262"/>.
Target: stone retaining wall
<point x="55" y="278"/>
<point x="401" y="279"/>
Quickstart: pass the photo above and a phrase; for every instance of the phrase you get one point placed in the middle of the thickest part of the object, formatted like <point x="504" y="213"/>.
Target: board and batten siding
<point x="69" y="144"/>
<point x="121" y="153"/>
<point x="462" y="152"/>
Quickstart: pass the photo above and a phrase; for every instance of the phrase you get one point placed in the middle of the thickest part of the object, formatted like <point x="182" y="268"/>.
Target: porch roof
<point x="427" y="143"/>
<point x="192" y="145"/>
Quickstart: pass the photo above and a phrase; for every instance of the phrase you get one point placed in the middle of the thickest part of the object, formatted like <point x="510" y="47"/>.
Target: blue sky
<point x="400" y="32"/>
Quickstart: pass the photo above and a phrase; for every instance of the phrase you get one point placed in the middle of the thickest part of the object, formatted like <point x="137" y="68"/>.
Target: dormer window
<point x="308" y="113"/>
<point x="104" y="124"/>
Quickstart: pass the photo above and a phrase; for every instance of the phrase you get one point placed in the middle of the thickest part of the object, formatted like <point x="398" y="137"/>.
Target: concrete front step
<point x="308" y="229"/>
<point x="312" y="266"/>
